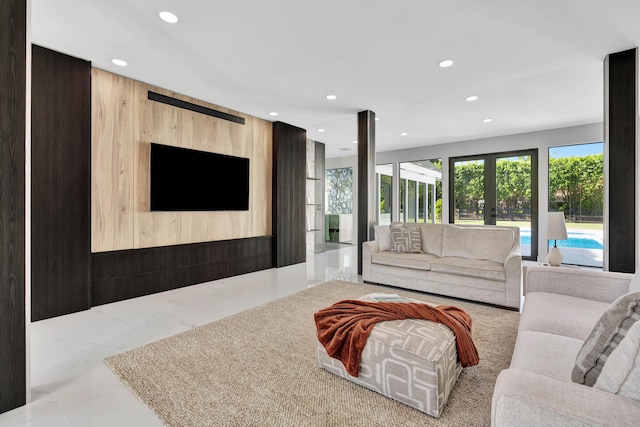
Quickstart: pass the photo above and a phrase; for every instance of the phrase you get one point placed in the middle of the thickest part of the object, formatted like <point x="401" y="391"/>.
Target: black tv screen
<point x="190" y="180"/>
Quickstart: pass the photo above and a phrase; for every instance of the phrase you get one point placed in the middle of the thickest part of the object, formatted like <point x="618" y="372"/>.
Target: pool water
<point x="575" y="240"/>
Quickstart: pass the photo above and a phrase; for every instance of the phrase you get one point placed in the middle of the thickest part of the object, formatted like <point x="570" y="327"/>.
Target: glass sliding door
<point x="514" y="188"/>
<point x="497" y="189"/>
<point x="468" y="189"/>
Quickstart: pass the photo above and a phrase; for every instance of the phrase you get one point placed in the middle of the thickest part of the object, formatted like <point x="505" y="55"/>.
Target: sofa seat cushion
<point x="470" y="267"/>
<point x="560" y="314"/>
<point x="393" y="259"/>
<point x="546" y="354"/>
<point x="485" y="243"/>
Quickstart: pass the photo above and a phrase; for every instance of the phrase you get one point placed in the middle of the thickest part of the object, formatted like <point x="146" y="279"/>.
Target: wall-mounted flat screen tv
<point x="191" y="180"/>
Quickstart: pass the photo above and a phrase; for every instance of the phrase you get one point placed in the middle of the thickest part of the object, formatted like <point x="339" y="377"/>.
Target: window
<point x="576" y="187"/>
<point x="384" y="176"/>
<point x="421" y="191"/>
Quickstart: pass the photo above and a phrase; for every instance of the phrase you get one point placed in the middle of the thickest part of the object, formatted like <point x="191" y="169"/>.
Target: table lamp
<point x="556" y="230"/>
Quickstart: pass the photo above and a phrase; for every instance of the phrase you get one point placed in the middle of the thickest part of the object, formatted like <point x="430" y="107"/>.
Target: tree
<point x="576" y="185"/>
<point x="469" y="186"/>
<point x="513" y="185"/>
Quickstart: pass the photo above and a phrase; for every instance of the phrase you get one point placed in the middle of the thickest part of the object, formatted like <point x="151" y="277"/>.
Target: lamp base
<point x="555" y="257"/>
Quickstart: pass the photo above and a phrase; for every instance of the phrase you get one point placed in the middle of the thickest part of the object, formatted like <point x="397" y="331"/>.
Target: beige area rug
<point x="259" y="368"/>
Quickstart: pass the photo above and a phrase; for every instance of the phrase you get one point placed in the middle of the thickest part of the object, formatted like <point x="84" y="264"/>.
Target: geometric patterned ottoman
<point x="412" y="361"/>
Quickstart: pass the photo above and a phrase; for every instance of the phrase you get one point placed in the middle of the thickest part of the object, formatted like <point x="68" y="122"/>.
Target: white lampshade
<point x="556" y="229"/>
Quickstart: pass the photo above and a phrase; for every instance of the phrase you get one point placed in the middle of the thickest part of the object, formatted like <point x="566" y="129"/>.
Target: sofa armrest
<point x="513" y="271"/>
<point x="595" y="285"/>
<point x="368" y="249"/>
<point x="524" y="398"/>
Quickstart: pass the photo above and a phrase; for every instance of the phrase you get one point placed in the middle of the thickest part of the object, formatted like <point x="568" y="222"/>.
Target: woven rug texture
<point x="259" y="368"/>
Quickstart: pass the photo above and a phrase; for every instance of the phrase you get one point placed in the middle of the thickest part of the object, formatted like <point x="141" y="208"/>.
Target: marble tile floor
<point x="71" y="385"/>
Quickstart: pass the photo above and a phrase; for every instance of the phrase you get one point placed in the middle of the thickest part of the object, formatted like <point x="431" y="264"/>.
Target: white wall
<point x="540" y="140"/>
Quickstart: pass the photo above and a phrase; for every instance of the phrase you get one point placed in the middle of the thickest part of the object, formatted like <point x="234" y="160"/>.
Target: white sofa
<point x="561" y="308"/>
<point x="480" y="263"/>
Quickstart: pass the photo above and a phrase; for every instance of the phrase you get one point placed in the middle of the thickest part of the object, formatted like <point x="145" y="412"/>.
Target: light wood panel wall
<point x="125" y="122"/>
<point x="112" y="162"/>
<point x="262" y="175"/>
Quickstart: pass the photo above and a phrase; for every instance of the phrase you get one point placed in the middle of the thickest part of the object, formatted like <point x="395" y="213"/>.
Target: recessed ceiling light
<point x="404" y="134"/>
<point x="472" y="98"/>
<point x="273" y="113"/>
<point x="446" y="63"/>
<point x="119" y="62"/>
<point x="487" y="120"/>
<point x="168" y="17"/>
<point x="354" y="142"/>
<point x="331" y="97"/>
<point x="377" y="118"/>
<point x="320" y="130"/>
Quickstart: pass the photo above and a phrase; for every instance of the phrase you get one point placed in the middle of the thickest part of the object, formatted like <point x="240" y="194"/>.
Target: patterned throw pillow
<point x="610" y="330"/>
<point x="406" y="239"/>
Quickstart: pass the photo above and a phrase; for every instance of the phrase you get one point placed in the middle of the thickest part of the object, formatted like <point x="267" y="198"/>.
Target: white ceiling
<point x="534" y="64"/>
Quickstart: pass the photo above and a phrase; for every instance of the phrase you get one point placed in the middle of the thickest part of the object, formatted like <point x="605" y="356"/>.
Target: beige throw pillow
<point x="606" y="336"/>
<point x="383" y="237"/>
<point x="621" y="374"/>
<point x="405" y="239"/>
<point x="634" y="285"/>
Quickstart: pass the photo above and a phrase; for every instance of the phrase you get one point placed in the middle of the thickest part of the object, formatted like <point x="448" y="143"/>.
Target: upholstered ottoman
<point x="412" y="361"/>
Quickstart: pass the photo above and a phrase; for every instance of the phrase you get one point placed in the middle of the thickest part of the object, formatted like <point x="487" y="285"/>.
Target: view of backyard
<point x="576" y="187"/>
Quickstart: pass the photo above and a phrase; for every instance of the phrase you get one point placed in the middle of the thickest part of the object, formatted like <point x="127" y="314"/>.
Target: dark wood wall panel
<point x="60" y="202"/>
<point x="121" y="275"/>
<point x="366" y="179"/>
<point x="289" y="187"/>
<point x="13" y="78"/>
<point x="620" y="121"/>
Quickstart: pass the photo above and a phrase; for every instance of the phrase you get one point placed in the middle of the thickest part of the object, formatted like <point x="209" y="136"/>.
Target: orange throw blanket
<point x="344" y="327"/>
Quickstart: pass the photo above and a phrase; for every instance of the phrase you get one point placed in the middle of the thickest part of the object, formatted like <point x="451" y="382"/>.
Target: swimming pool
<point x="575" y="240"/>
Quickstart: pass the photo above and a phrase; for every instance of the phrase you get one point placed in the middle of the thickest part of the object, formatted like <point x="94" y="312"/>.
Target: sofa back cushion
<point x="608" y="334"/>
<point x="486" y="243"/>
<point x="431" y="235"/>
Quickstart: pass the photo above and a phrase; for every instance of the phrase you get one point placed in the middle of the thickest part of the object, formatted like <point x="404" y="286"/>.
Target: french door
<point x="497" y="189"/>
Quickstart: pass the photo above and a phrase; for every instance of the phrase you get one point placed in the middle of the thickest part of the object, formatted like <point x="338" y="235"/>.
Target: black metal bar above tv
<point x="158" y="97"/>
